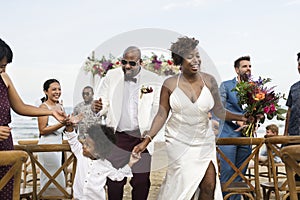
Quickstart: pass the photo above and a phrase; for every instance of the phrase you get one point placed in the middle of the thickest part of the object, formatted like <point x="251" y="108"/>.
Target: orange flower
<point x="259" y="96"/>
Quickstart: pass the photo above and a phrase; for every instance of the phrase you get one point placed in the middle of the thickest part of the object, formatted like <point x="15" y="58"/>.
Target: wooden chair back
<point x="15" y="159"/>
<point x="245" y="187"/>
<point x="276" y="180"/>
<point x="27" y="169"/>
<point x="291" y="158"/>
<point x="273" y="147"/>
<point x="60" y="191"/>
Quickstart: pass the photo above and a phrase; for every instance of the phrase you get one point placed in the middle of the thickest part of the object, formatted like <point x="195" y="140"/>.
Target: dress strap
<point x="202" y="80"/>
<point x="47" y="105"/>
<point x="178" y="79"/>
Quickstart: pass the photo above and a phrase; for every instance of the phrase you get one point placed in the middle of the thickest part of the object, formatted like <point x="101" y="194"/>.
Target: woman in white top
<point x="51" y="132"/>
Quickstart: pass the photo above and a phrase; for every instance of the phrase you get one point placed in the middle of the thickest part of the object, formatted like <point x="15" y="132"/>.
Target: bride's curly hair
<point x="181" y="48"/>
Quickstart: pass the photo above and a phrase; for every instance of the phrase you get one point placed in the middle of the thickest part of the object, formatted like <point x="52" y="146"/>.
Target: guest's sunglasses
<point x="131" y="63"/>
<point x="86" y="93"/>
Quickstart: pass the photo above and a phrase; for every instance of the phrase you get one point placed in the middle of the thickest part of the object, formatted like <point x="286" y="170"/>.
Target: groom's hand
<point x="97" y="105"/>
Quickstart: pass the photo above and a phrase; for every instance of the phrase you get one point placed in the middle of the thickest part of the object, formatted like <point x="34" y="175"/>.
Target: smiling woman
<point x="51" y="131"/>
<point x="191" y="95"/>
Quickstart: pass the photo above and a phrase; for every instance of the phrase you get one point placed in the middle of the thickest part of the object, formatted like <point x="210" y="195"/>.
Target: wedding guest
<point x="237" y="154"/>
<point x="11" y="99"/>
<point x="292" y="120"/>
<point x="84" y="107"/>
<point x="271" y="130"/>
<point x="92" y="166"/>
<point x="129" y="98"/>
<point x="293" y="103"/>
<point x="191" y="149"/>
<point x="51" y="133"/>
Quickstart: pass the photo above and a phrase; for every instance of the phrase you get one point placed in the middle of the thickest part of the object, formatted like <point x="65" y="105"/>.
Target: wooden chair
<point x="69" y="176"/>
<point x="277" y="180"/>
<point x="15" y="159"/>
<point x="245" y="188"/>
<point x="291" y="158"/>
<point x="27" y="169"/>
<point x="60" y="191"/>
<point x="26" y="191"/>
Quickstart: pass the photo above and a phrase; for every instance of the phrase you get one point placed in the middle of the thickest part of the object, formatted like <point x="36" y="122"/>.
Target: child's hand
<point x="134" y="158"/>
<point x="71" y="121"/>
<point x="76" y="119"/>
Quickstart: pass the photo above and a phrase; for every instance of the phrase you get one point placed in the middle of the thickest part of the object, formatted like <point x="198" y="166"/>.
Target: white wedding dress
<point x="51" y="161"/>
<point x="190" y="145"/>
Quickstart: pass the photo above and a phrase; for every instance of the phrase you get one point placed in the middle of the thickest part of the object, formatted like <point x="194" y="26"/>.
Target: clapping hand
<point x="59" y="115"/>
<point x="97" y="105"/>
<point x="74" y="119"/>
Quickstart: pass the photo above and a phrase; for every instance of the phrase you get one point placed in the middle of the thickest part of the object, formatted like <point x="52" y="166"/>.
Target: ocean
<point x="27" y="127"/>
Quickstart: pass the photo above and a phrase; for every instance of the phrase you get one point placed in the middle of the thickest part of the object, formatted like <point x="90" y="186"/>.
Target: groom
<point x="129" y="97"/>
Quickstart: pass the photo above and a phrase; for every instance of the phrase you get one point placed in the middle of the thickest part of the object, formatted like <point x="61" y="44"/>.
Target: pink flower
<point x="272" y="108"/>
<point x="266" y="109"/>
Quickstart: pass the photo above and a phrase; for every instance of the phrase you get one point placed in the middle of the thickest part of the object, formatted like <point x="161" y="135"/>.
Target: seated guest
<point x="271" y="130"/>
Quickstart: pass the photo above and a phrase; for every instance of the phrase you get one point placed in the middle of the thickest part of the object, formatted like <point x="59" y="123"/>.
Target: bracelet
<point x="148" y="136"/>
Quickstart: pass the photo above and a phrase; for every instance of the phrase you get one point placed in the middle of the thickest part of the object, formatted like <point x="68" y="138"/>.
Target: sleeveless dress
<point x="190" y="144"/>
<point x="51" y="160"/>
<point x="5" y="119"/>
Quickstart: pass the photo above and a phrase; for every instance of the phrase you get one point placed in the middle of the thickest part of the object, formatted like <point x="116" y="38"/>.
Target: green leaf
<point x="281" y="111"/>
<point x="280" y="117"/>
<point x="269" y="116"/>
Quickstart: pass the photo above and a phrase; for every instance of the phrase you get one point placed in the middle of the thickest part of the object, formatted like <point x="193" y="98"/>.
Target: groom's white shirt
<point x="111" y="93"/>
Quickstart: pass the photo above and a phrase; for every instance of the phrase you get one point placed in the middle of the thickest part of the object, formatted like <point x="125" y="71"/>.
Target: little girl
<point x="92" y="167"/>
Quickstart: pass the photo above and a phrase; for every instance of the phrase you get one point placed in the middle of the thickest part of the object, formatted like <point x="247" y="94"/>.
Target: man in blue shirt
<point x="292" y="121"/>
<point x="236" y="153"/>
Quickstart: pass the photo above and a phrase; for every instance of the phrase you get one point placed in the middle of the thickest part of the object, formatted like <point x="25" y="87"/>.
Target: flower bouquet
<point x="257" y="99"/>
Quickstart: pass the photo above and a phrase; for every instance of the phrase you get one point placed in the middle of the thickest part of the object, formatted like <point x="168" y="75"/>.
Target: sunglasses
<point x="86" y="93"/>
<point x="131" y="63"/>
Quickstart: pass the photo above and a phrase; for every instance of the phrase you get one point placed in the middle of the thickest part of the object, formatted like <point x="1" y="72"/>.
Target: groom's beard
<point x="130" y="73"/>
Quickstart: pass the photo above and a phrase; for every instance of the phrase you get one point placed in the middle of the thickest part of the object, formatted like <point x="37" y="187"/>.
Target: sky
<point x="52" y="38"/>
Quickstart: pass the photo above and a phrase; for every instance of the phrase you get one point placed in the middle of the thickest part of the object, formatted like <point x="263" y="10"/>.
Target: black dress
<point x="5" y="119"/>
